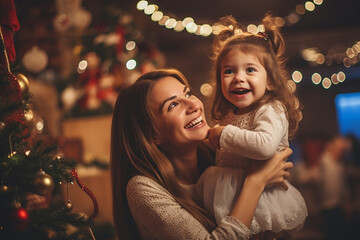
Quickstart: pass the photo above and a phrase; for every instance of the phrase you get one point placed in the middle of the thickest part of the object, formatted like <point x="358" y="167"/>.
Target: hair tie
<point x="266" y="37"/>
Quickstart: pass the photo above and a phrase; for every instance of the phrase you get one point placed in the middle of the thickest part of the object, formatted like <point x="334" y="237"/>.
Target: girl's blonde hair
<point x="269" y="47"/>
<point x="134" y="152"/>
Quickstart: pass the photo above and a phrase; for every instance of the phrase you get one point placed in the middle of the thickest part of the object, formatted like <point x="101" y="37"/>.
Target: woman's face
<point x="179" y="115"/>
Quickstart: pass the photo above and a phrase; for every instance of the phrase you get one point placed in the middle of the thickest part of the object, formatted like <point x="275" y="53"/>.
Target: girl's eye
<point x="251" y="69"/>
<point x="228" y="71"/>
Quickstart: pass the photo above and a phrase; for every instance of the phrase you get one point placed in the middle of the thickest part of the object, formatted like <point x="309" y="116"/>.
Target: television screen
<point x="348" y="113"/>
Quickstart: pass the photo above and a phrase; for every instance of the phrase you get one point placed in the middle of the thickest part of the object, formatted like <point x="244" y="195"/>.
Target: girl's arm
<point x="272" y="173"/>
<point x="270" y="129"/>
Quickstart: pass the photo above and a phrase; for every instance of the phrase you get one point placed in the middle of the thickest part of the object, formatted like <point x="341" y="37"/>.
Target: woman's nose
<point x="193" y="105"/>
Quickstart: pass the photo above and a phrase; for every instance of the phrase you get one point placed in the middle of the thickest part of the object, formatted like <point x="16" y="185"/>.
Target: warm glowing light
<point x="316" y="78"/>
<point x="279" y="22"/>
<point x="341" y="76"/>
<point x="156" y="16"/>
<point x="191" y="27"/>
<point x="28" y="115"/>
<point x="27" y="153"/>
<point x="163" y="20"/>
<point x="334" y="79"/>
<point x="187" y="20"/>
<point x="150" y="9"/>
<point x="293" y="18"/>
<point x="82" y="65"/>
<point x="261" y="28"/>
<point x="39" y="126"/>
<point x="130" y="45"/>
<point x="205" y="30"/>
<point x="318" y="2"/>
<point x="309" y="6"/>
<point x="320" y="58"/>
<point x="300" y="9"/>
<point x="179" y="26"/>
<point x="170" y="23"/>
<point x="216" y="29"/>
<point x="350" y="53"/>
<point x="252" y="28"/>
<point x="297" y="76"/>
<point x="141" y="5"/>
<point x="131" y="64"/>
<point x="326" y="83"/>
<point x="206" y="89"/>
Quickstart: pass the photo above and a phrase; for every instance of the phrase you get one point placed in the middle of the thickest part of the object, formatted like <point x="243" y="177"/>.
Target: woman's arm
<point x="272" y="173"/>
<point x="159" y="216"/>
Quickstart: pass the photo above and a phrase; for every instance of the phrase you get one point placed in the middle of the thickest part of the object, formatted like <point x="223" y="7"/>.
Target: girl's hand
<point x="214" y="137"/>
<point x="274" y="171"/>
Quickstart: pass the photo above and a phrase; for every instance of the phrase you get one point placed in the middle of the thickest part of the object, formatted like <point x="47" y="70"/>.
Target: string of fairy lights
<point x="312" y="55"/>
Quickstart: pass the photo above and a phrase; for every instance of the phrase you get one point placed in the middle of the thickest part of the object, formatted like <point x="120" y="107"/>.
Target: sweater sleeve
<point x="159" y="216"/>
<point x="261" y="143"/>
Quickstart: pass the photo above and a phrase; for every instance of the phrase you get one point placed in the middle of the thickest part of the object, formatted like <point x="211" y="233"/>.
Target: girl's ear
<point x="269" y="86"/>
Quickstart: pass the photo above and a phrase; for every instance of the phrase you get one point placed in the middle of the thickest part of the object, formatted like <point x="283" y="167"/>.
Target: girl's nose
<point x="239" y="77"/>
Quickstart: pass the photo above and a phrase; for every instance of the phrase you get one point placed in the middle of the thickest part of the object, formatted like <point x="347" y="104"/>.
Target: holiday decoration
<point x="35" y="60"/>
<point x="23" y="82"/>
<point x="112" y="55"/>
<point x="22" y="185"/>
<point x="43" y="183"/>
<point x="19" y="219"/>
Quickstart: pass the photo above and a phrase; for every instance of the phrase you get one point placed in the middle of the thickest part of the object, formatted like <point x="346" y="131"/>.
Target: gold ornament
<point x="69" y="204"/>
<point x="23" y="82"/>
<point x="3" y="188"/>
<point x="44" y="184"/>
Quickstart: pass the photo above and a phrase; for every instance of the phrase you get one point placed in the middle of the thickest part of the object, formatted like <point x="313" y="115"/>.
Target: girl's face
<point x="243" y="79"/>
<point x="179" y="115"/>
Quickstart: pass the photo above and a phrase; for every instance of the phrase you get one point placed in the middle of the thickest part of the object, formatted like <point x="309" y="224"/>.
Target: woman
<point x="157" y="155"/>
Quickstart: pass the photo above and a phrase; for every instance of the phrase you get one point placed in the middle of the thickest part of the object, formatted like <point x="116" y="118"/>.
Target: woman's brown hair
<point x="134" y="152"/>
<point x="269" y="47"/>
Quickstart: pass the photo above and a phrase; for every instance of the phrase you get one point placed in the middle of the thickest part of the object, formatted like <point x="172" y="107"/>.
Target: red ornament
<point x="19" y="219"/>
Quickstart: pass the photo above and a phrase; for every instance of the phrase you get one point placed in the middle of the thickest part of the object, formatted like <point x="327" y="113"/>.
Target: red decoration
<point x="19" y="219"/>
<point x="89" y="193"/>
<point x="9" y="23"/>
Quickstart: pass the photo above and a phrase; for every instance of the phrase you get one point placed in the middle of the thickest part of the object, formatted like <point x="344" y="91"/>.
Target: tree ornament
<point x="44" y="184"/>
<point x="19" y="218"/>
<point x="35" y="60"/>
<point x="89" y="193"/>
<point x="2" y="126"/>
<point x="23" y="82"/>
<point x="3" y="188"/>
<point x="69" y="204"/>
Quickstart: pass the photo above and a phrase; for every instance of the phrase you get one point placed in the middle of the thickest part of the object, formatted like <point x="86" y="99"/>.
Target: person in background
<point x="157" y="156"/>
<point x="333" y="187"/>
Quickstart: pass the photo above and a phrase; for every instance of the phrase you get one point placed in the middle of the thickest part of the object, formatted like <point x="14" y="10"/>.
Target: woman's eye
<point x="172" y="105"/>
<point x="188" y="94"/>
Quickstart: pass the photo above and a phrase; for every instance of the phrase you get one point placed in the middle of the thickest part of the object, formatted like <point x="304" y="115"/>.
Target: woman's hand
<point x="273" y="172"/>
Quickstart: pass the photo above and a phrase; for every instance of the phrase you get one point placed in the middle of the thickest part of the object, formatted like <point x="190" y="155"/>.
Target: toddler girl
<point x="258" y="112"/>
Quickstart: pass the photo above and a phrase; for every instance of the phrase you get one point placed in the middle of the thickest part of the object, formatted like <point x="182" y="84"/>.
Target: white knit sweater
<point x="159" y="216"/>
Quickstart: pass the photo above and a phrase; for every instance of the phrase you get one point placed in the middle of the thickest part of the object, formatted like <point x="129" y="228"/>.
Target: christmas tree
<point x="30" y="171"/>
